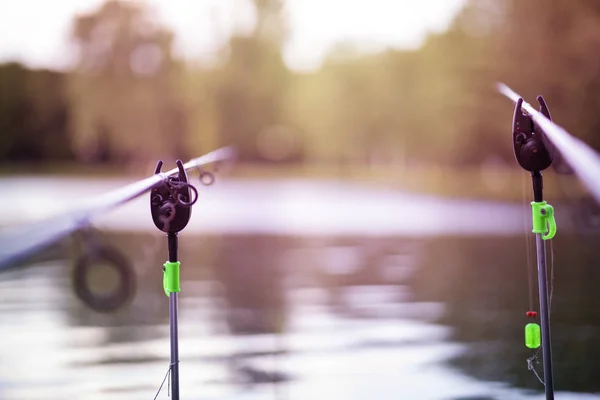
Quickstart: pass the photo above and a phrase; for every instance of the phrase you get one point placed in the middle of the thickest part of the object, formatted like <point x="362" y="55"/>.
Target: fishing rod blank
<point x="534" y="154"/>
<point x="20" y="243"/>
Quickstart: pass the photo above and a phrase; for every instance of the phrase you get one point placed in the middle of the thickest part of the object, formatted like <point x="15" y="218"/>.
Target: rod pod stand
<point x="170" y="206"/>
<point x="535" y="153"/>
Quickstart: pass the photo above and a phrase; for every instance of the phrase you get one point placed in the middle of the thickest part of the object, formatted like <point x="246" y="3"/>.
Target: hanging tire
<point x="116" y="298"/>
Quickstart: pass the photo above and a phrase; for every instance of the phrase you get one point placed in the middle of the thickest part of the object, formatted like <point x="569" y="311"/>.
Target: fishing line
<point x="551" y="275"/>
<point x="528" y="247"/>
<point x="531" y="367"/>
<point x="535" y="357"/>
<point x="530" y="279"/>
<point x="168" y="374"/>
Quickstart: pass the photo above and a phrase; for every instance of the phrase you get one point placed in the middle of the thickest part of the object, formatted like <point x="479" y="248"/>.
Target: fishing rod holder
<point x="535" y="153"/>
<point x="532" y="149"/>
<point x="171" y="200"/>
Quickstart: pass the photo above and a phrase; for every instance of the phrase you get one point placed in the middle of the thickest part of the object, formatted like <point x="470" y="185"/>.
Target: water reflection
<point x="251" y="273"/>
<point x="484" y="285"/>
<point x="306" y="317"/>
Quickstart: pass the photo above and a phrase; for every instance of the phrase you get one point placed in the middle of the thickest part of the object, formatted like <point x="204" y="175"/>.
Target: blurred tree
<point x="395" y="106"/>
<point x="536" y="47"/>
<point x="250" y="87"/>
<point x="33" y="115"/>
<point x="345" y="109"/>
<point x="550" y="48"/>
<point x="195" y="89"/>
<point x="123" y="92"/>
<point x="128" y="98"/>
<point x="439" y="104"/>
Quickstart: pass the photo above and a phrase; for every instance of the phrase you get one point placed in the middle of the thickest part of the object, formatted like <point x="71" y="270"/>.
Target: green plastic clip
<point x="543" y="219"/>
<point x="171" y="277"/>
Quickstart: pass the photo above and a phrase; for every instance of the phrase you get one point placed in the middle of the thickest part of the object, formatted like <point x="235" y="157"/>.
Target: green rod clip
<point x="543" y="219"/>
<point x="171" y="277"/>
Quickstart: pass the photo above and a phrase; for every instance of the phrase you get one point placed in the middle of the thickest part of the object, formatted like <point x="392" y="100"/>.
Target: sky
<point x="36" y="32"/>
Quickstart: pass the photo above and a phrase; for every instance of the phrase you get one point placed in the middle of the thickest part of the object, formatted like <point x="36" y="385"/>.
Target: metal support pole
<point x="545" y="316"/>
<point x="540" y="245"/>
<point x="173" y="323"/>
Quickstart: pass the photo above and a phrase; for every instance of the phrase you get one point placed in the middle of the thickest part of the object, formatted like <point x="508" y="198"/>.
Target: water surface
<point x="324" y="300"/>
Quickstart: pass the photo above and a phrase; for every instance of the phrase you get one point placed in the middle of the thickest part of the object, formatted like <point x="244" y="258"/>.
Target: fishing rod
<point x="20" y="244"/>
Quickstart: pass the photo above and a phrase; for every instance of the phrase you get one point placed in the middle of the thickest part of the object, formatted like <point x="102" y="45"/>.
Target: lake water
<point x="301" y="290"/>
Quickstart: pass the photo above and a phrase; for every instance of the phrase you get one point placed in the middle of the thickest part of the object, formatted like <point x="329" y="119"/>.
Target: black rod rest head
<point x="171" y="201"/>
<point x="533" y="150"/>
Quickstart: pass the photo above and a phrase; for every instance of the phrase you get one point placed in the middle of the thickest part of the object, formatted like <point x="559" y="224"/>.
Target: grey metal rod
<point x="174" y="346"/>
<point x="173" y="322"/>
<point x="545" y="316"/>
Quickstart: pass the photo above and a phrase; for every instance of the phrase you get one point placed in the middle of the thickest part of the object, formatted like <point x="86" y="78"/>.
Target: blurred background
<point x="373" y="238"/>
